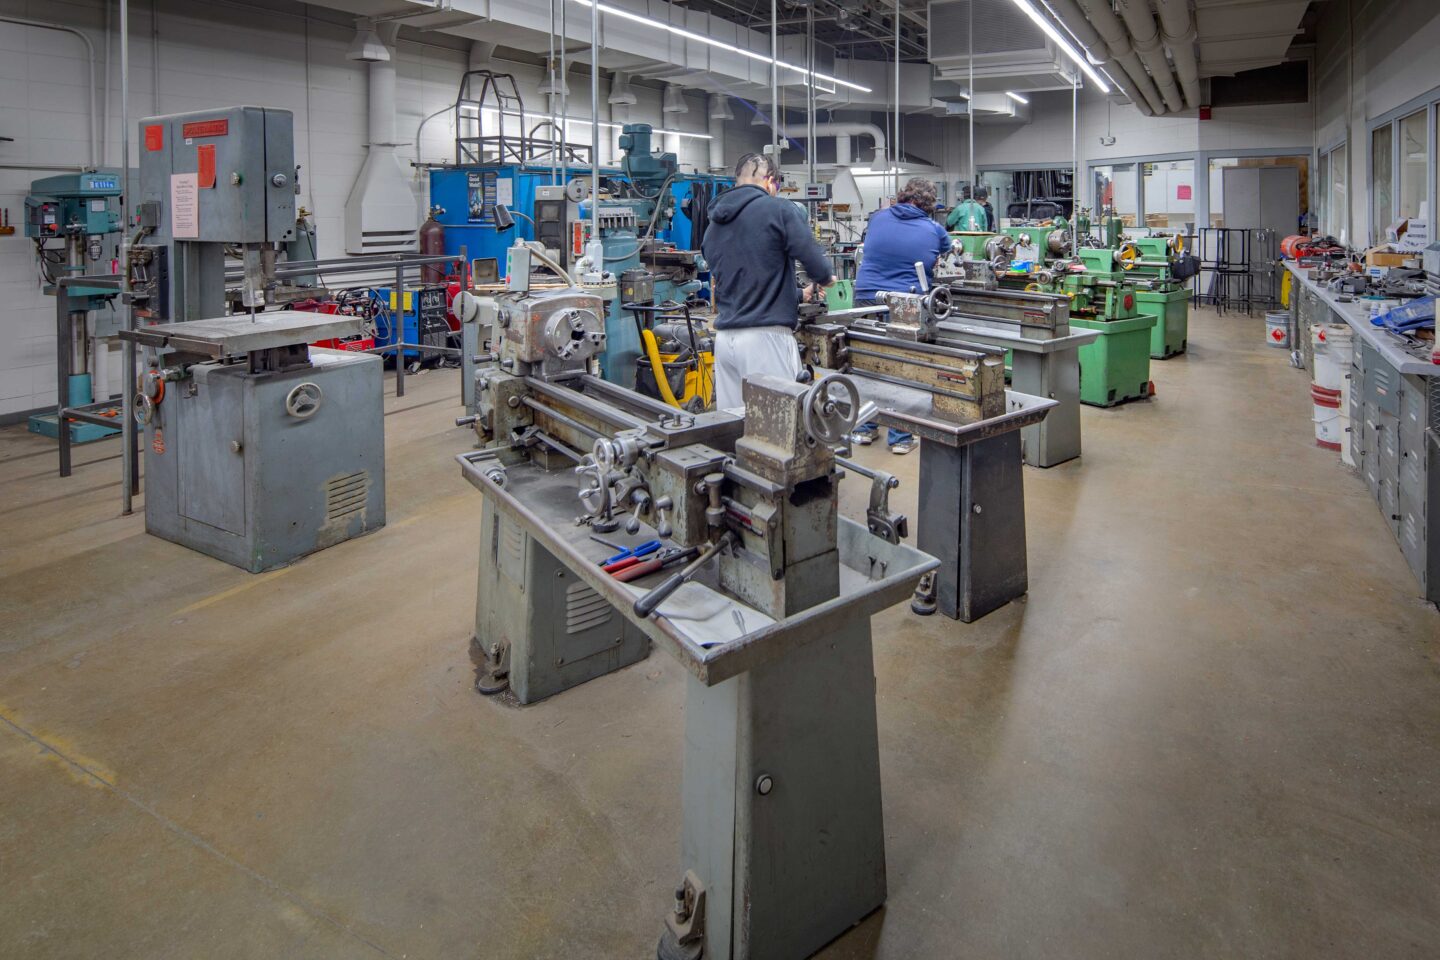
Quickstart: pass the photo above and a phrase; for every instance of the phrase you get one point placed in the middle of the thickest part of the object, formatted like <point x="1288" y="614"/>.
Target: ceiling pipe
<point x="1072" y="18"/>
<point x="1145" y="37"/>
<point x="1117" y="39"/>
<point x="1178" y="31"/>
<point x="845" y="130"/>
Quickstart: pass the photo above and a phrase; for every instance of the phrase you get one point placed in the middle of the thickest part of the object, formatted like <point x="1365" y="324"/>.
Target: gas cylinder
<point x="432" y="244"/>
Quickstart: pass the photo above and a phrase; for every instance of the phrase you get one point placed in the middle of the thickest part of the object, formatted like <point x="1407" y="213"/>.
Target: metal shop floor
<point x="1211" y="731"/>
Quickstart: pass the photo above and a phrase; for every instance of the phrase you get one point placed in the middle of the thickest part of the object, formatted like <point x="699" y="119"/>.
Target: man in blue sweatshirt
<point x="751" y="244"/>
<point x="898" y="237"/>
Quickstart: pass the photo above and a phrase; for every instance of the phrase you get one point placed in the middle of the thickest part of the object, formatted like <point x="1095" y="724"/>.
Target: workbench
<point x="1394" y="426"/>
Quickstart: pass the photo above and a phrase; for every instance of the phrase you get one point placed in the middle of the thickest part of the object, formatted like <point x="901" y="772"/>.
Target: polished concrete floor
<point x="1212" y="729"/>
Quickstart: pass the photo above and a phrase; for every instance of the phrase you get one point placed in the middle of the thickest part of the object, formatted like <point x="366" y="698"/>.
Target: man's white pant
<point x="750" y="352"/>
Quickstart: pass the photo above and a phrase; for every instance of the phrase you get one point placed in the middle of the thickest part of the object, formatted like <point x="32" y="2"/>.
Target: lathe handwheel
<point x="938" y="303"/>
<point x="832" y="408"/>
<point x="303" y="400"/>
<point x="1127" y="254"/>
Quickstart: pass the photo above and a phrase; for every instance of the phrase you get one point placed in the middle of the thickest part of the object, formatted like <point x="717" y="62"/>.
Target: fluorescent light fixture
<point x="1049" y="28"/>
<point x="1015" y="96"/>
<point x="700" y="38"/>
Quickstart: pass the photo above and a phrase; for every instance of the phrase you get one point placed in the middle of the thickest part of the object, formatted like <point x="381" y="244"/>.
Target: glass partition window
<point x="1339" y="197"/>
<point x="1322" y="194"/>
<point x="1169" y="194"/>
<point x="1117" y="188"/>
<point x="1414" y="164"/>
<point x="1382" y="208"/>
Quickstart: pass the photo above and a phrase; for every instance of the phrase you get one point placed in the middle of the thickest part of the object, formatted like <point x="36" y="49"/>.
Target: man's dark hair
<point x="965" y="192"/>
<point x="918" y="191"/>
<point x="982" y="193"/>
<point x="757" y="166"/>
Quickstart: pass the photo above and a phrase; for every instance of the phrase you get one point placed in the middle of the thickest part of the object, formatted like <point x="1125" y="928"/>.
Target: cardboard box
<point x="1380" y="258"/>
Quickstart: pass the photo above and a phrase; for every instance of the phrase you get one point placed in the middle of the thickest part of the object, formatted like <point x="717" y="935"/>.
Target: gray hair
<point x="757" y="166"/>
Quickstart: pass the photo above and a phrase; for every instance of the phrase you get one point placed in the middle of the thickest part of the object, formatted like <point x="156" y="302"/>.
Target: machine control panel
<point x="816" y="193"/>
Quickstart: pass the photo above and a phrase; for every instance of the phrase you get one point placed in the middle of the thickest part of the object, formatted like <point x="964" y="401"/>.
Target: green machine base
<point x="1172" y="327"/>
<point x="46" y="425"/>
<point x="1116" y="367"/>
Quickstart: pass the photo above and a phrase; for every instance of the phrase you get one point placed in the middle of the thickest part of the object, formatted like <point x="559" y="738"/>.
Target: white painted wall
<point x="273" y="53"/>
<point x="1393" y="44"/>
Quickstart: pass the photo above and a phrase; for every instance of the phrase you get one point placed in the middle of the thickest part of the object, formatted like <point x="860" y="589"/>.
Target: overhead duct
<point x="845" y="130"/>
<point x="1145" y="36"/>
<point x="1072" y="18"/>
<point x="1117" y="39"/>
<point x="367" y="46"/>
<point x="674" y="101"/>
<point x="1178" y="29"/>
<point x="718" y="113"/>
<point x="380" y="213"/>
<point x="620" y="92"/>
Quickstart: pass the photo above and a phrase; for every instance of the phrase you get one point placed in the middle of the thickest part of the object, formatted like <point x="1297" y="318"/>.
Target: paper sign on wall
<point x="505" y="192"/>
<point x="185" y="206"/>
<point x="1183" y="192"/>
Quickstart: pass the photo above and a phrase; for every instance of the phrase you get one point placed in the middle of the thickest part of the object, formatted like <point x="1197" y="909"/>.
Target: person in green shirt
<point x="968" y="216"/>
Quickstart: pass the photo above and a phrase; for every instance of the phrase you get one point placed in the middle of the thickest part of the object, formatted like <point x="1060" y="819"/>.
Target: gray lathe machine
<point x="259" y="448"/>
<point x="760" y="588"/>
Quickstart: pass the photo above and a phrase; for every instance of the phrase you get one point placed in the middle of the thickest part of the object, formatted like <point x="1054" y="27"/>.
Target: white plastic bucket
<point x="1329" y="431"/>
<point x="1277" y="328"/>
<point x="1328" y="371"/>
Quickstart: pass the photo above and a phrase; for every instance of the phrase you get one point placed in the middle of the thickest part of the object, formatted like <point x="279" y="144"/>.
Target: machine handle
<point x="646" y="605"/>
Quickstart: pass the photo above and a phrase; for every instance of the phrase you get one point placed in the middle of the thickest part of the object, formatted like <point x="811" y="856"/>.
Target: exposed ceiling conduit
<point x="1178" y="31"/>
<point x="1072" y="18"/>
<point x="1117" y="39"/>
<point x="1145" y="37"/>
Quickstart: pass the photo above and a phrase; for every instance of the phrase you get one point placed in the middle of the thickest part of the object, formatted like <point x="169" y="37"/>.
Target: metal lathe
<point x="612" y="521"/>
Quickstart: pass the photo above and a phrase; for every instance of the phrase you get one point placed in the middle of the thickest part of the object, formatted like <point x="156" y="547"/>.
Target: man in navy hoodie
<point x="898" y="237"/>
<point x="751" y="245"/>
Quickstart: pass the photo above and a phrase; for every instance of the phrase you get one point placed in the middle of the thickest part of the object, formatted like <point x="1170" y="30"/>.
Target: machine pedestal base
<point x="973" y="502"/>
<point x="781" y="800"/>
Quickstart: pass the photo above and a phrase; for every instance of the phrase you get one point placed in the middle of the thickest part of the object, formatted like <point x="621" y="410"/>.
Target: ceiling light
<point x="1044" y="24"/>
<point x="674" y="101"/>
<point x="1015" y="96"/>
<point x="367" y="47"/>
<point x="701" y="38"/>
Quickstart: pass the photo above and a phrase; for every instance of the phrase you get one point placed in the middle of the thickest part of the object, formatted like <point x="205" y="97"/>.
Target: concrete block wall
<point x="196" y="56"/>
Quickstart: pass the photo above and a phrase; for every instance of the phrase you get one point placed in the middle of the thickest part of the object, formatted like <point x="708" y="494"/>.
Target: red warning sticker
<point x="205" y="158"/>
<point x="154" y="137"/>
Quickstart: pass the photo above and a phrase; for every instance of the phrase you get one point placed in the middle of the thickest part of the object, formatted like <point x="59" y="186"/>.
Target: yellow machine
<point x="677" y="362"/>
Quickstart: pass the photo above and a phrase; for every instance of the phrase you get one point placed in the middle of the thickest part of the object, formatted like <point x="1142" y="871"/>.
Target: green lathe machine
<point x="1168" y="297"/>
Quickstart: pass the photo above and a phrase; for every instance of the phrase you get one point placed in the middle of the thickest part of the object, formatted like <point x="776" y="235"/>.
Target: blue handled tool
<point x="648" y="547"/>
